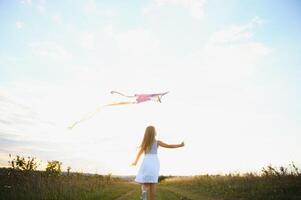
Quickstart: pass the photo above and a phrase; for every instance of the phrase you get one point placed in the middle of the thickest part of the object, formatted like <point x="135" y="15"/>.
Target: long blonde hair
<point x="148" y="139"/>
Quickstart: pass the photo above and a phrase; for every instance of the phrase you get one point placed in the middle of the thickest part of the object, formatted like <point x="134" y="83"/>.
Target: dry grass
<point x="267" y="186"/>
<point x="15" y="184"/>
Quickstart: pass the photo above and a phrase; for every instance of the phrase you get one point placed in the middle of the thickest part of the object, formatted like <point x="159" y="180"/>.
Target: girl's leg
<point x="149" y="191"/>
<point x="145" y="188"/>
<point x="152" y="191"/>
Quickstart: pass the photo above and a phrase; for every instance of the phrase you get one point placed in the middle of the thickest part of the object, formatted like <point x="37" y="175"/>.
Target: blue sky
<point x="232" y="69"/>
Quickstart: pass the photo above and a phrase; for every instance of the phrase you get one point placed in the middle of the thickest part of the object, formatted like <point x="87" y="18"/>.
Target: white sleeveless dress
<point x="150" y="166"/>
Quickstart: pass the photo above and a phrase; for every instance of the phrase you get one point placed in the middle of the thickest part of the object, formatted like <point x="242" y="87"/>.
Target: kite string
<point x="114" y="92"/>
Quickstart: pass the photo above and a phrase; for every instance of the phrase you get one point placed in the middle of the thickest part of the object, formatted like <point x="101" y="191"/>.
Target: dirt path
<point x="123" y="197"/>
<point x="175" y="194"/>
<point x="163" y="193"/>
<point x="187" y="195"/>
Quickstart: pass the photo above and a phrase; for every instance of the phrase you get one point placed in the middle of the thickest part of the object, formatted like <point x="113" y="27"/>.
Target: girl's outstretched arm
<point x="138" y="156"/>
<point x="162" y="144"/>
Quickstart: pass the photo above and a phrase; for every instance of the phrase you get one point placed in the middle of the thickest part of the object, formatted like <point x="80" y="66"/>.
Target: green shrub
<point x="22" y="163"/>
<point x="54" y="167"/>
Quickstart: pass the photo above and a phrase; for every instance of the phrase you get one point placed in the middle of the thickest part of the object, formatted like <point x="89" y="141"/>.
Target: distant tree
<point x="22" y="163"/>
<point x="162" y="178"/>
<point x="54" y="167"/>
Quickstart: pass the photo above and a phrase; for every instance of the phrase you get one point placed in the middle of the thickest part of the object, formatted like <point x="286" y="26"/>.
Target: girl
<point x="149" y="170"/>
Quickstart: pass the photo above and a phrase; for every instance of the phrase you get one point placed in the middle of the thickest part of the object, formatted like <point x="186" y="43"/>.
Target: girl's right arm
<point x="162" y="144"/>
<point x="137" y="157"/>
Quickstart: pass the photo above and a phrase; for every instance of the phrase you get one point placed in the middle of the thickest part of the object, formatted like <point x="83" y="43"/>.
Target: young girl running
<point x="149" y="170"/>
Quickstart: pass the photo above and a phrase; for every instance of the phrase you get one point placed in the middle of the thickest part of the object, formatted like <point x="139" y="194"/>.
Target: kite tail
<point x="121" y="103"/>
<point x="88" y="116"/>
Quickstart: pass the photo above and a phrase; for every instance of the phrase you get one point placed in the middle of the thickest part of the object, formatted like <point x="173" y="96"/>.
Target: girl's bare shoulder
<point x="162" y="144"/>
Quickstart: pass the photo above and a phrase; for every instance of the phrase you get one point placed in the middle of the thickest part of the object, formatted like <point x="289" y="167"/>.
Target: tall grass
<point x="273" y="183"/>
<point x="16" y="184"/>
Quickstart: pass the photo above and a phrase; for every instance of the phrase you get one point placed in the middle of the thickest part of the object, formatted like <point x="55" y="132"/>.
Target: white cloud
<point x="108" y="30"/>
<point x="231" y="55"/>
<point x="87" y="40"/>
<point x="236" y="33"/>
<point x="19" y="25"/>
<point x="89" y="6"/>
<point x="195" y="7"/>
<point x="39" y="4"/>
<point x="50" y="50"/>
<point x="28" y="2"/>
<point x="41" y="8"/>
<point x="136" y="42"/>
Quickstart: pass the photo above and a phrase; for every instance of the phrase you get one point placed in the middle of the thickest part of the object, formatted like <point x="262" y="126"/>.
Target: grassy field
<point x="40" y="185"/>
<point x="232" y="187"/>
<point x="16" y="184"/>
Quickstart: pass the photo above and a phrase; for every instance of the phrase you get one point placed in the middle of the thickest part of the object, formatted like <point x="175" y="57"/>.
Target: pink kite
<point x="143" y="97"/>
<point x="139" y="98"/>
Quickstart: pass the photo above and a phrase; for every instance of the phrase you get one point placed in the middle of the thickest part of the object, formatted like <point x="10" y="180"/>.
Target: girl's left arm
<point x="138" y="156"/>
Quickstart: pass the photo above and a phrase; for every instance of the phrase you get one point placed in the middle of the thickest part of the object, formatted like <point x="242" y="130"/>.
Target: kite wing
<point x="146" y="97"/>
